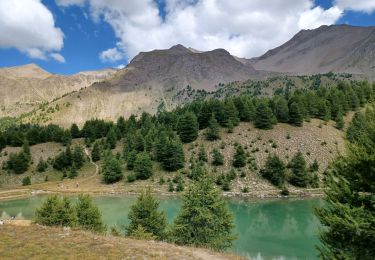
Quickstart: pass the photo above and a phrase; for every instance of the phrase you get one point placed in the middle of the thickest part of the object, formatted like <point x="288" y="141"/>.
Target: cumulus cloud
<point x="111" y="55"/>
<point x="29" y="27"/>
<point x="367" y="6"/>
<point x="246" y="28"/>
<point x="57" y="57"/>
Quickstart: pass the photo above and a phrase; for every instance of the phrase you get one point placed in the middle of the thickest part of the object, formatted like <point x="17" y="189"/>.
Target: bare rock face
<point x="336" y="48"/>
<point x="178" y="67"/>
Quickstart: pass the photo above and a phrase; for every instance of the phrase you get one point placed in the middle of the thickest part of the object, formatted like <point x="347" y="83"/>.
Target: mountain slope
<point x="22" y="88"/>
<point x="150" y="79"/>
<point x="336" y="48"/>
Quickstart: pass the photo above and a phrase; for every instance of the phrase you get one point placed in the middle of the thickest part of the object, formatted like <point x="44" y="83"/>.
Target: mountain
<point x="336" y="48"/>
<point x="23" y="88"/>
<point x="150" y="79"/>
<point x="179" y="66"/>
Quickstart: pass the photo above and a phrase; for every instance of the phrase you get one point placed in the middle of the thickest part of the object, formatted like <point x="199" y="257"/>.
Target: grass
<point x="39" y="242"/>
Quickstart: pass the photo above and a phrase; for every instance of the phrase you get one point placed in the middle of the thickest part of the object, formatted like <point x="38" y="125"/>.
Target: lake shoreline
<point x="20" y="193"/>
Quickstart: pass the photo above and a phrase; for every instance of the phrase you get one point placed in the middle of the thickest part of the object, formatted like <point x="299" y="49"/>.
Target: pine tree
<point x="218" y="158"/>
<point x="204" y="219"/>
<point x="130" y="160"/>
<point x="274" y="170"/>
<point x="212" y="132"/>
<point x="295" y="115"/>
<point x="88" y="214"/>
<point x="56" y="212"/>
<point x="143" y="166"/>
<point x="231" y="113"/>
<point x="95" y="153"/>
<point x="187" y="127"/>
<point x="282" y="110"/>
<point x="315" y="166"/>
<point x="264" y="117"/>
<point x="348" y="214"/>
<point x="239" y="158"/>
<point x="111" y="169"/>
<point x="73" y="172"/>
<point x="202" y="156"/>
<point x="78" y="157"/>
<point x="111" y="138"/>
<point x="74" y="131"/>
<point x="144" y="213"/>
<point x="339" y="120"/>
<point x="299" y="174"/>
<point x="26" y="181"/>
<point x="174" y="157"/>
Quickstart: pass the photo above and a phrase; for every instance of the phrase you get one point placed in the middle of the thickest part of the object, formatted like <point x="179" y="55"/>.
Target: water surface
<point x="276" y="229"/>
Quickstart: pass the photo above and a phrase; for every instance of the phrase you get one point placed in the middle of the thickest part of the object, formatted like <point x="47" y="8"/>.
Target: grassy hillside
<point x="56" y="243"/>
<point x="316" y="140"/>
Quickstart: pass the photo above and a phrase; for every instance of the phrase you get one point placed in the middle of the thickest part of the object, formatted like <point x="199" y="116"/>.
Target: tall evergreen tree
<point x="202" y="155"/>
<point x="174" y="157"/>
<point x="231" y="113"/>
<point x="299" y="174"/>
<point x="348" y="214"/>
<point x="264" y="117"/>
<point x="95" y="153"/>
<point x="111" y="169"/>
<point x="74" y="131"/>
<point x="339" y="120"/>
<point x="144" y="213"/>
<point x="213" y="131"/>
<point x="274" y="170"/>
<point x="204" y="219"/>
<point x="282" y="110"/>
<point x="187" y="127"/>
<point x="239" y="158"/>
<point x="295" y="115"/>
<point x="78" y="156"/>
<point x="111" y="138"/>
<point x="143" y="166"/>
<point x="88" y="214"/>
<point x="217" y="157"/>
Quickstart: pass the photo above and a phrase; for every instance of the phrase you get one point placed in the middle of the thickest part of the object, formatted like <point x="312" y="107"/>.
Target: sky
<point x="68" y="36"/>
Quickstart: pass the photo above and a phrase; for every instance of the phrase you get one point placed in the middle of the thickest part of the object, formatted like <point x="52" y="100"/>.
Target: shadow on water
<point x="267" y="229"/>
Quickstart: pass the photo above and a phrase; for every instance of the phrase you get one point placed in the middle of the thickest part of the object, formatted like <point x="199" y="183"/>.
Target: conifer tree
<point x="73" y="172"/>
<point x="144" y="213"/>
<point x="212" y="132"/>
<point x="274" y="170"/>
<point x="111" y="169"/>
<point x="218" y="158"/>
<point x="174" y="157"/>
<point x="130" y="160"/>
<point x="74" y="131"/>
<point x="348" y="214"/>
<point x="78" y="157"/>
<point x="95" y="153"/>
<point x="143" y="166"/>
<point x="111" y="138"/>
<point x="204" y="219"/>
<point x="282" y="110"/>
<point x="239" y="159"/>
<point x="299" y="174"/>
<point x="187" y="127"/>
<point x="339" y="120"/>
<point x="231" y="113"/>
<point x="295" y="115"/>
<point x="42" y="165"/>
<point x="264" y="117"/>
<point x="88" y="214"/>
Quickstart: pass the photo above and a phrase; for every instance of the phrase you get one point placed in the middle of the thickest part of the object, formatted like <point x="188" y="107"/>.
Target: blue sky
<point x="97" y="36"/>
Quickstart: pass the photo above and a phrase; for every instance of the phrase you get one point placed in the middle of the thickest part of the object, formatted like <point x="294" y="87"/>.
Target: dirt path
<point x="91" y="161"/>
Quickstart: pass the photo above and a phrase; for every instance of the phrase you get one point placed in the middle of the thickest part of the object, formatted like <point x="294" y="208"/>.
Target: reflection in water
<point x="279" y="229"/>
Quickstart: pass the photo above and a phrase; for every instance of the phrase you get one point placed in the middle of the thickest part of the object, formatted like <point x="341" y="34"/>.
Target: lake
<point x="266" y="229"/>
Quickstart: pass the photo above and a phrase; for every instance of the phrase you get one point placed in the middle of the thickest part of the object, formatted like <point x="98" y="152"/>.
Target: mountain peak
<point x="179" y="49"/>
<point x="30" y="70"/>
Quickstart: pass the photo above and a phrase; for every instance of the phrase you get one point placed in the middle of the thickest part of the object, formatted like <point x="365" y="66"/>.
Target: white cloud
<point x="121" y="66"/>
<point x="245" y="28"/>
<point x="111" y="55"/>
<point x="28" y="26"/>
<point x="57" y="57"/>
<point x="367" y="6"/>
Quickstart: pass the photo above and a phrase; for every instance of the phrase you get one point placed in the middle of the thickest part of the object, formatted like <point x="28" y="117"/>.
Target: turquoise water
<point x="276" y="229"/>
